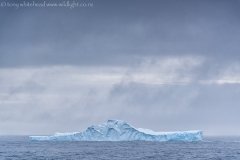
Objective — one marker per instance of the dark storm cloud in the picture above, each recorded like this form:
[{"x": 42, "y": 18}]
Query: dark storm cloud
[
  {"x": 118, "y": 32},
  {"x": 164, "y": 65}
]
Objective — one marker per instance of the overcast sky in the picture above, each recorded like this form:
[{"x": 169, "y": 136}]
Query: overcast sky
[{"x": 166, "y": 65}]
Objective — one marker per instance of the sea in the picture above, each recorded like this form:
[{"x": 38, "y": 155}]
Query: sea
[{"x": 215, "y": 148}]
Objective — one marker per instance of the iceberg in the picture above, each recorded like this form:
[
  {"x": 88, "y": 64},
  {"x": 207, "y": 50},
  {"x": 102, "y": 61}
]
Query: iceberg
[{"x": 118, "y": 130}]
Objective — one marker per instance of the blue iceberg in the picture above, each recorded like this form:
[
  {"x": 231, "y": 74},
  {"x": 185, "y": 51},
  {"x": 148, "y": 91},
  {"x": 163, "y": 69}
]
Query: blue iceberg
[{"x": 118, "y": 130}]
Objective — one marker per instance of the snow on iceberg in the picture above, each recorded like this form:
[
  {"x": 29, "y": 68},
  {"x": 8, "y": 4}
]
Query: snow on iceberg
[{"x": 118, "y": 130}]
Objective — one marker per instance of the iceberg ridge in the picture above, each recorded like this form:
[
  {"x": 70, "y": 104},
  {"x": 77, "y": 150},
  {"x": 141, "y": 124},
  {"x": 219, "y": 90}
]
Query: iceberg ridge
[{"x": 118, "y": 130}]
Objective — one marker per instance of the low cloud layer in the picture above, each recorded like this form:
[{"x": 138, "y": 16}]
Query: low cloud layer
[{"x": 161, "y": 94}]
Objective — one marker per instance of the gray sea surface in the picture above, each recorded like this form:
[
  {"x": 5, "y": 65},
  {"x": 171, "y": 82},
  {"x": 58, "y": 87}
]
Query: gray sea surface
[{"x": 19, "y": 147}]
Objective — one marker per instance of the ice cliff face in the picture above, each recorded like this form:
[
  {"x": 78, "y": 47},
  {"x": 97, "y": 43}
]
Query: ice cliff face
[{"x": 117, "y": 130}]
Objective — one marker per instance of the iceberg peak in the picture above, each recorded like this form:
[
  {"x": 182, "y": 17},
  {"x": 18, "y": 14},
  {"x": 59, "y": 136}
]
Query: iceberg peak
[{"x": 119, "y": 130}]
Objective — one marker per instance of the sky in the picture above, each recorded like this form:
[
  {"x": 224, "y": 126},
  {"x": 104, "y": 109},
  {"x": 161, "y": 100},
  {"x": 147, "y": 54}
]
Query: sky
[{"x": 165, "y": 65}]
